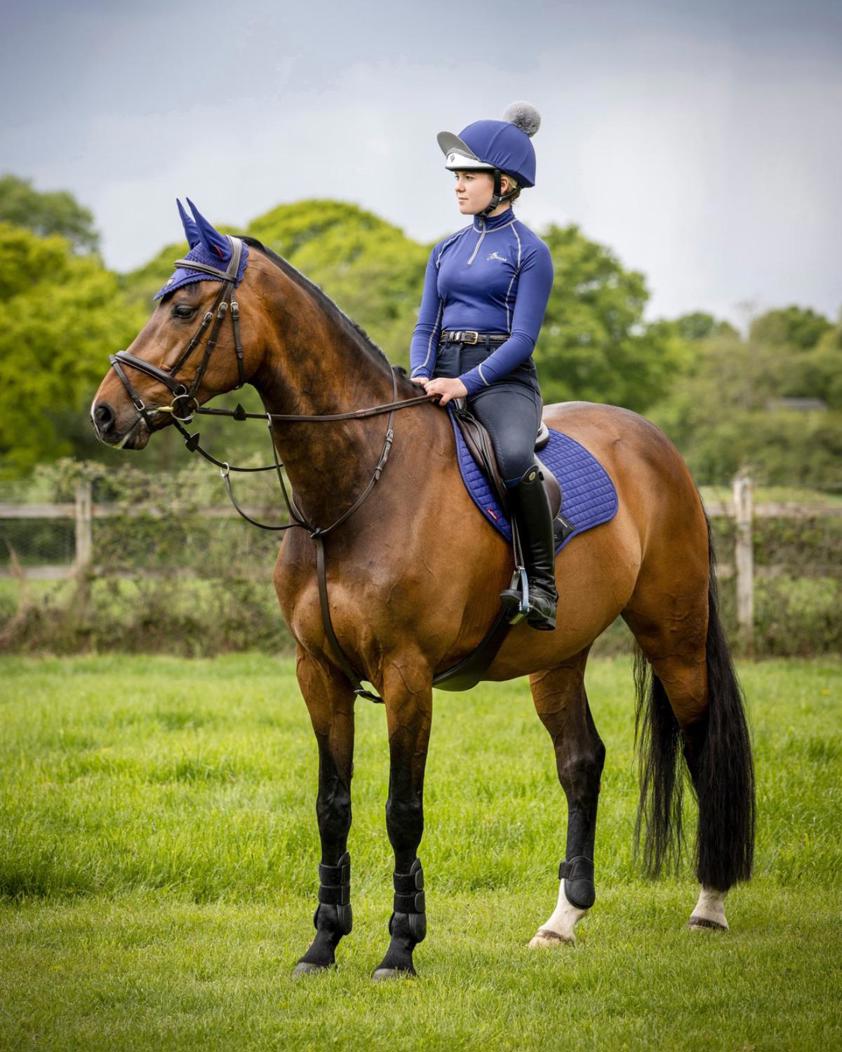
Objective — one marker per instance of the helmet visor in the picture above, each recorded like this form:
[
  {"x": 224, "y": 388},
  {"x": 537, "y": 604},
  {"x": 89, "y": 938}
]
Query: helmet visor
[{"x": 458, "y": 155}]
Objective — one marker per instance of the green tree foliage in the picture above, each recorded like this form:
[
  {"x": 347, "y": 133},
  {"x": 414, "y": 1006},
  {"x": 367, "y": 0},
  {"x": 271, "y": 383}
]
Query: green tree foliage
[
  {"x": 369, "y": 267},
  {"x": 806, "y": 353},
  {"x": 594, "y": 344},
  {"x": 140, "y": 285},
  {"x": 47, "y": 213},
  {"x": 726, "y": 413},
  {"x": 796, "y": 327},
  {"x": 699, "y": 325},
  {"x": 60, "y": 316}
]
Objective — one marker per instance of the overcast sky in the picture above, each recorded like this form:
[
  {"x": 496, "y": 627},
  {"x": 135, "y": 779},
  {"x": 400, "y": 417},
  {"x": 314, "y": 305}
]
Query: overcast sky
[{"x": 701, "y": 141}]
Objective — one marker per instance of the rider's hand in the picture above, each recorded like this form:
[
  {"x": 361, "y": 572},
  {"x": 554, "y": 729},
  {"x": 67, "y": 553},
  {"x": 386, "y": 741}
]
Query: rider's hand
[{"x": 447, "y": 388}]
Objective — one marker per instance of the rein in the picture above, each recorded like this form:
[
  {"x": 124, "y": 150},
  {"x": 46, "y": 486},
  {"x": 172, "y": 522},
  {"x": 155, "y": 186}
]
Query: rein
[{"x": 185, "y": 406}]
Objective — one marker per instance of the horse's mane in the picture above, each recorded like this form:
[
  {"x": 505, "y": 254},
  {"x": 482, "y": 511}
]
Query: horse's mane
[{"x": 357, "y": 332}]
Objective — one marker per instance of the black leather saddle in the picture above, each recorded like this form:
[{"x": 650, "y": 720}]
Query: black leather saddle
[{"x": 478, "y": 441}]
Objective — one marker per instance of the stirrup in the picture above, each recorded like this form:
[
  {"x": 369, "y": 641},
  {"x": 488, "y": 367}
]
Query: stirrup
[
  {"x": 529, "y": 604},
  {"x": 515, "y": 598}
]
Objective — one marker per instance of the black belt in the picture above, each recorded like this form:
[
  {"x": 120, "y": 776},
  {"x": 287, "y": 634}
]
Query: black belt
[{"x": 469, "y": 337}]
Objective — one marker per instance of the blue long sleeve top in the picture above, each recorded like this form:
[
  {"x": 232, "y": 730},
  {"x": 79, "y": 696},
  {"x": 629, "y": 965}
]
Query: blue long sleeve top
[{"x": 493, "y": 276}]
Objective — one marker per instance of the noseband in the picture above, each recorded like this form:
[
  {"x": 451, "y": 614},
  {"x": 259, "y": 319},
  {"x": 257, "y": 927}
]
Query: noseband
[{"x": 184, "y": 402}]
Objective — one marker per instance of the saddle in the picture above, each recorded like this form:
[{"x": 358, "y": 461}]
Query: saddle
[{"x": 478, "y": 441}]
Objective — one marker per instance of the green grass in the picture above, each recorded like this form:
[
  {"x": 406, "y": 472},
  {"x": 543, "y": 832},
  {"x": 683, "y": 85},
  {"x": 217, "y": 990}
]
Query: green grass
[{"x": 158, "y": 848}]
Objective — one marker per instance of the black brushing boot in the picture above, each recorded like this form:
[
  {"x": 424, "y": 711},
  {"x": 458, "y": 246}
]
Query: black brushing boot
[
  {"x": 531, "y": 511},
  {"x": 407, "y": 925},
  {"x": 332, "y": 919}
]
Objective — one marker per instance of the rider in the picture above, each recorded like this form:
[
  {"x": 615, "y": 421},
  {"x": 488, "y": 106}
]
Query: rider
[{"x": 485, "y": 293}]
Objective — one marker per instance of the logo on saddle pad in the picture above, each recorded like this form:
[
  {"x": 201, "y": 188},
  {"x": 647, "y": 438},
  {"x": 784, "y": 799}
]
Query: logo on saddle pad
[{"x": 496, "y": 255}]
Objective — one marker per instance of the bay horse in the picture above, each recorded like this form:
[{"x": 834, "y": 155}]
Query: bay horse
[{"x": 414, "y": 577}]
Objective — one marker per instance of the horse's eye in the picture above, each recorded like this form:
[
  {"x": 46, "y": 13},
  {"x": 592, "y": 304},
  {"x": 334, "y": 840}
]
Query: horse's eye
[{"x": 183, "y": 310}]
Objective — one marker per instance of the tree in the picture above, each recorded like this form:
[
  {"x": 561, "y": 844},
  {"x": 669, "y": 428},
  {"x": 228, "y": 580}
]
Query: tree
[
  {"x": 699, "y": 325},
  {"x": 797, "y": 327},
  {"x": 45, "y": 214},
  {"x": 369, "y": 267},
  {"x": 60, "y": 316},
  {"x": 594, "y": 344},
  {"x": 726, "y": 414}
]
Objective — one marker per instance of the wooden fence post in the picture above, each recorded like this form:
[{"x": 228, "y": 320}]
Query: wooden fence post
[
  {"x": 744, "y": 561},
  {"x": 84, "y": 529}
]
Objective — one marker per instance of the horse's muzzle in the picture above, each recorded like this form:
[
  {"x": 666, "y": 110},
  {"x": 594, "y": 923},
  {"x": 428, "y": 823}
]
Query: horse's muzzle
[{"x": 132, "y": 434}]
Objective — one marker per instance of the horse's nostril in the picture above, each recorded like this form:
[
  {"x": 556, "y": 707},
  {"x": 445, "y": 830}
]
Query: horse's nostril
[{"x": 104, "y": 417}]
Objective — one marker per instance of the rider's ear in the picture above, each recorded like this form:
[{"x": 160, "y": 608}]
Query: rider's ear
[{"x": 210, "y": 238}]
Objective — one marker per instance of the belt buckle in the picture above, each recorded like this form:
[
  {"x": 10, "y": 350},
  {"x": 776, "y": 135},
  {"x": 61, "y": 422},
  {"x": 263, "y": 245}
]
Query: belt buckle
[{"x": 475, "y": 336}]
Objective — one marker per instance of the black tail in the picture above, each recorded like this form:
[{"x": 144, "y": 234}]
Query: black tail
[
  {"x": 662, "y": 771},
  {"x": 718, "y": 752}
]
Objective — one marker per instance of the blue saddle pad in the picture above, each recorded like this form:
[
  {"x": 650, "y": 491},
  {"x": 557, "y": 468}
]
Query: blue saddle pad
[{"x": 588, "y": 494}]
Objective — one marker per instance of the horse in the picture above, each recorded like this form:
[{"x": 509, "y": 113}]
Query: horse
[{"x": 412, "y": 578}]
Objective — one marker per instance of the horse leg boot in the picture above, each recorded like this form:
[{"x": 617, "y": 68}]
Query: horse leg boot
[
  {"x": 562, "y": 704},
  {"x": 330, "y": 702},
  {"x": 408, "y": 715},
  {"x": 531, "y": 510}
]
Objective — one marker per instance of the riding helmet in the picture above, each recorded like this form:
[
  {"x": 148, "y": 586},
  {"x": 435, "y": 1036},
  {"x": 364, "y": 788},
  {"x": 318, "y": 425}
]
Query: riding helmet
[{"x": 504, "y": 146}]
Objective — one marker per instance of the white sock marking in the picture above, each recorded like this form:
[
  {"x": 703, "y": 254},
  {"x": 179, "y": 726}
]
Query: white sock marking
[
  {"x": 710, "y": 907},
  {"x": 563, "y": 922}
]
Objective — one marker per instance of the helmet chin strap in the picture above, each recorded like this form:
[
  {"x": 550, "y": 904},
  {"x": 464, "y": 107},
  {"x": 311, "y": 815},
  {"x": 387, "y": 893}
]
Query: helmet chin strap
[{"x": 497, "y": 198}]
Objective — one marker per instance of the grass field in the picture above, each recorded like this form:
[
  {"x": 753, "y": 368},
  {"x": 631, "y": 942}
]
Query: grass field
[{"x": 158, "y": 854}]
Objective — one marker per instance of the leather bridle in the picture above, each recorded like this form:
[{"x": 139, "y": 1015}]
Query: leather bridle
[{"x": 184, "y": 402}]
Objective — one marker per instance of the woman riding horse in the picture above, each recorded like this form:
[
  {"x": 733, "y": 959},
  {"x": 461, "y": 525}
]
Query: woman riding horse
[
  {"x": 485, "y": 294},
  {"x": 405, "y": 607}
]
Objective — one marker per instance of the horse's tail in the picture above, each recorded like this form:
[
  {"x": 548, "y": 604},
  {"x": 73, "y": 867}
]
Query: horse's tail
[
  {"x": 723, "y": 772},
  {"x": 719, "y": 752},
  {"x": 658, "y": 737}
]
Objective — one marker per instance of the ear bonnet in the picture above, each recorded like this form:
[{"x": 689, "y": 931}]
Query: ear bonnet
[{"x": 207, "y": 246}]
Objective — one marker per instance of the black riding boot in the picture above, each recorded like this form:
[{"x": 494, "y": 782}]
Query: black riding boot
[{"x": 528, "y": 503}]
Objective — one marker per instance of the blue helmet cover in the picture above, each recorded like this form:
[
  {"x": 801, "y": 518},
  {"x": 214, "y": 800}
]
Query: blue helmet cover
[
  {"x": 207, "y": 246},
  {"x": 503, "y": 145}
]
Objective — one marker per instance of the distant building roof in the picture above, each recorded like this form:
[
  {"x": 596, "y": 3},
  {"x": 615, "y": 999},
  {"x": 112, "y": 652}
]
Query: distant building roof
[{"x": 801, "y": 405}]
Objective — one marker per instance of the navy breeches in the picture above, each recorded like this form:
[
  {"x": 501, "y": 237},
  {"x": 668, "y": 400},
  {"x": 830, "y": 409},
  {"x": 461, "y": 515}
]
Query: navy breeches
[{"x": 509, "y": 409}]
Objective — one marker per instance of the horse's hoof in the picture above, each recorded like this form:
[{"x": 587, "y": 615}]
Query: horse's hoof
[
  {"x": 703, "y": 924},
  {"x": 308, "y": 968},
  {"x": 545, "y": 937},
  {"x": 381, "y": 974}
]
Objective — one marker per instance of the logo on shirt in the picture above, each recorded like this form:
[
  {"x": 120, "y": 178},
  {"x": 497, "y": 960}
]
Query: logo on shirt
[{"x": 496, "y": 255}]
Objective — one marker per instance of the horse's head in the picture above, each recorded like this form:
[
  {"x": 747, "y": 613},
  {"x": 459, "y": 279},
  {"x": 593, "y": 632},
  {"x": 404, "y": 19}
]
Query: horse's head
[{"x": 191, "y": 348}]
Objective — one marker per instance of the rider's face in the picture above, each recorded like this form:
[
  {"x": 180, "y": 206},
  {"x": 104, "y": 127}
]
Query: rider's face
[{"x": 473, "y": 191}]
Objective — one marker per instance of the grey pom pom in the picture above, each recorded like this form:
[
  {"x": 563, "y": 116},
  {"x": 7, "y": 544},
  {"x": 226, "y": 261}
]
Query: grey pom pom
[{"x": 524, "y": 116}]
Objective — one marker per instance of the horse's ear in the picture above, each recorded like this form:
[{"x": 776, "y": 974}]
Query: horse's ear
[
  {"x": 191, "y": 231},
  {"x": 212, "y": 239}
]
